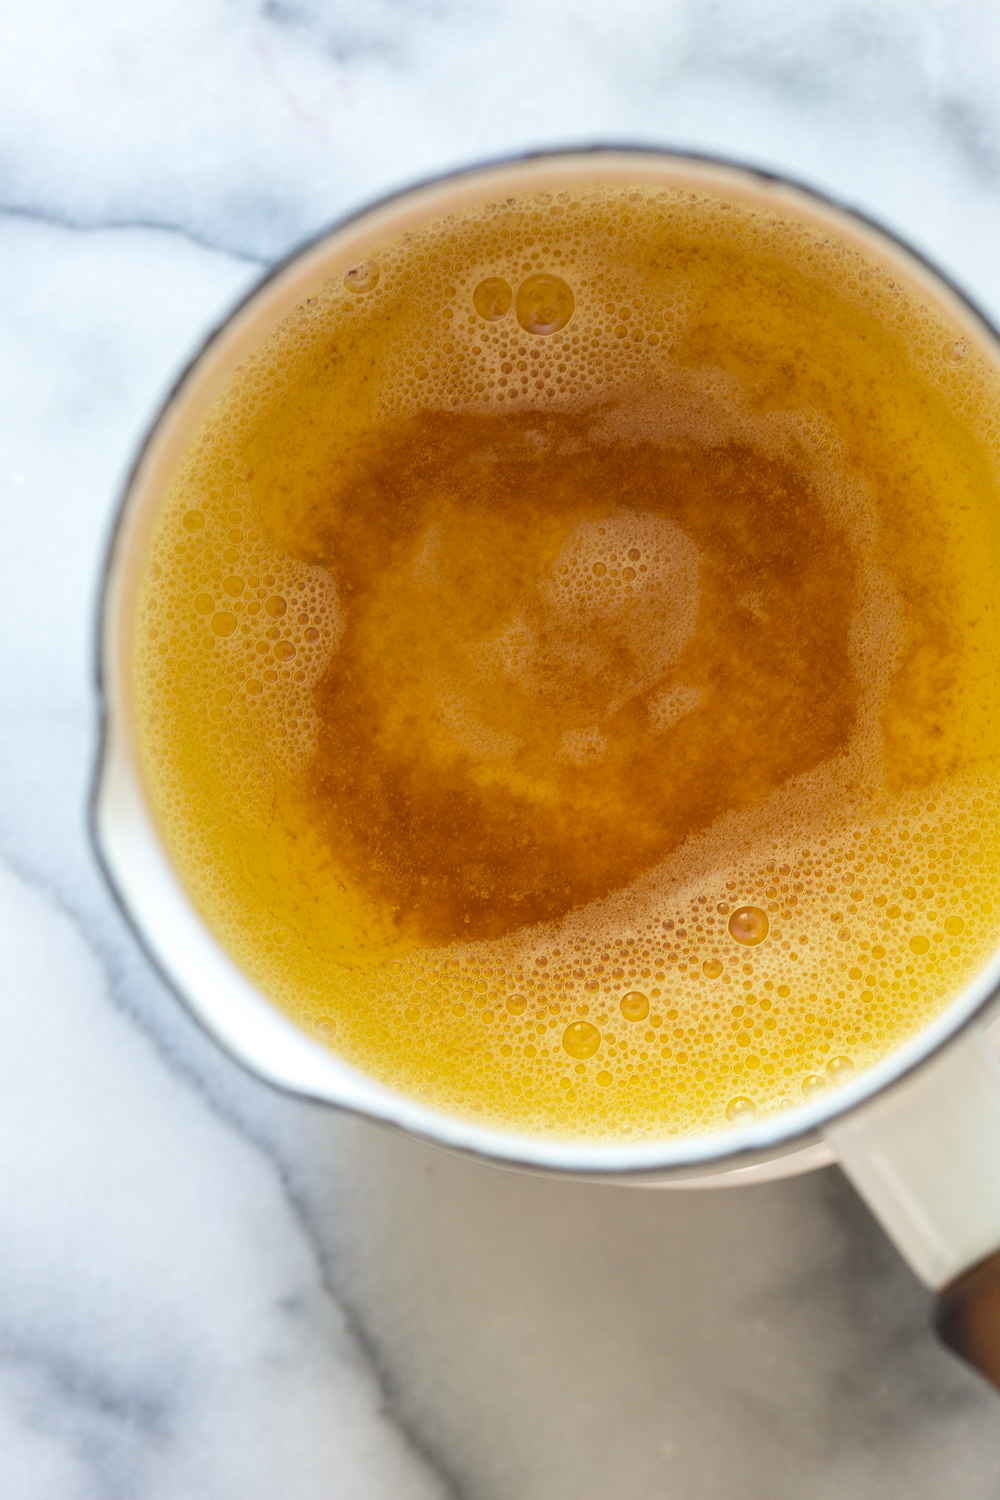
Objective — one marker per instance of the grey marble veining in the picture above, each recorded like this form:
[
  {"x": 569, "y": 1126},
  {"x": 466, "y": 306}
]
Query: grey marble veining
[
  {"x": 551, "y": 1339},
  {"x": 207, "y": 1289}
]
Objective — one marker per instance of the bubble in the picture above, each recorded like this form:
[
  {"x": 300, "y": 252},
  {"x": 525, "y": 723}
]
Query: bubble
[
  {"x": 634, "y": 1006},
  {"x": 283, "y": 650},
  {"x": 517, "y": 1005},
  {"x": 581, "y": 1039},
  {"x": 604, "y": 1078},
  {"x": 840, "y": 1070},
  {"x": 955, "y": 352},
  {"x": 919, "y": 944},
  {"x": 204, "y": 604},
  {"x": 362, "y": 277},
  {"x": 544, "y": 303},
  {"x": 492, "y": 299},
  {"x": 326, "y": 1026},
  {"x": 194, "y": 520},
  {"x": 741, "y": 1111},
  {"x": 749, "y": 925},
  {"x": 233, "y": 587},
  {"x": 954, "y": 926},
  {"x": 813, "y": 1086},
  {"x": 223, "y": 623},
  {"x": 275, "y": 606},
  {"x": 712, "y": 968}
]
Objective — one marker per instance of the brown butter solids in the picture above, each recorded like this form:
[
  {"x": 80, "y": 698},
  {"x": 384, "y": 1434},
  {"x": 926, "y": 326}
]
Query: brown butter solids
[{"x": 466, "y": 850}]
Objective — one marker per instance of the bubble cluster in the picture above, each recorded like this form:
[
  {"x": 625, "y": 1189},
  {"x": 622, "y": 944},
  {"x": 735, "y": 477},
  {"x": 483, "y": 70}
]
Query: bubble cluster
[
  {"x": 243, "y": 632},
  {"x": 870, "y": 929},
  {"x": 530, "y": 309},
  {"x": 768, "y": 959}
]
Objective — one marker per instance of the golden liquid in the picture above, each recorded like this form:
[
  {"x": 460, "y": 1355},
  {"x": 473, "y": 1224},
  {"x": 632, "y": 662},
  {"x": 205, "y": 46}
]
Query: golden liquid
[{"x": 567, "y": 669}]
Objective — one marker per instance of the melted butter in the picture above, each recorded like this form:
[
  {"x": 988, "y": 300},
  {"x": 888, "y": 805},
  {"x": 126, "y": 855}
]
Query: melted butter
[{"x": 568, "y": 691}]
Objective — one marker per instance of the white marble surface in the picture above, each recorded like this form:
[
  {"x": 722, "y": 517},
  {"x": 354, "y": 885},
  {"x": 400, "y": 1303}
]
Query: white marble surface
[{"x": 208, "y": 1290}]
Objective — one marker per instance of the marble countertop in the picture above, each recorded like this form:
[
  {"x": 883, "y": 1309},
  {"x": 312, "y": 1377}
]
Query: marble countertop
[{"x": 210, "y": 1290}]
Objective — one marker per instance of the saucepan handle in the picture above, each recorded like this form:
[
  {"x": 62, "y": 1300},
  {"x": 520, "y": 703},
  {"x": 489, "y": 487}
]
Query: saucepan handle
[
  {"x": 967, "y": 1317},
  {"x": 925, "y": 1156}
]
